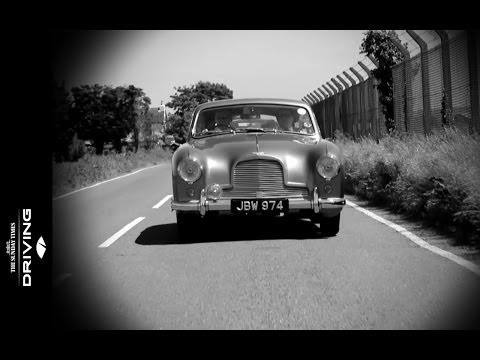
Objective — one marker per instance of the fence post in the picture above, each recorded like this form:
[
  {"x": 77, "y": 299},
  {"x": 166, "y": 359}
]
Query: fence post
[
  {"x": 472, "y": 39},
  {"x": 314, "y": 97},
  {"x": 447, "y": 77},
  {"x": 337, "y": 84},
  {"x": 344, "y": 105},
  {"x": 330, "y": 93},
  {"x": 338, "y": 105},
  {"x": 334, "y": 89},
  {"x": 375, "y": 97},
  {"x": 344, "y": 83},
  {"x": 322, "y": 109},
  {"x": 357, "y": 74},
  {"x": 325, "y": 95},
  {"x": 365, "y": 68},
  {"x": 364, "y": 89},
  {"x": 349, "y": 78},
  {"x": 318, "y": 95},
  {"x": 408, "y": 83},
  {"x": 373, "y": 60},
  {"x": 304, "y": 99},
  {"x": 427, "y": 124}
]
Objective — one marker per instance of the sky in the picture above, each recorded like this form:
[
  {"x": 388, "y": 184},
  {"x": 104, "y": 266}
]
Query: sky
[{"x": 252, "y": 63}]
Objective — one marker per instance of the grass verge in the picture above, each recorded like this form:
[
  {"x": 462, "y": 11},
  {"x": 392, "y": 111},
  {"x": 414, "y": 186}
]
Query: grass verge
[
  {"x": 90, "y": 169},
  {"x": 435, "y": 178}
]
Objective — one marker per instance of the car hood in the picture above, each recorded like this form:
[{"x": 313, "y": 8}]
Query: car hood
[
  {"x": 243, "y": 142},
  {"x": 220, "y": 153}
]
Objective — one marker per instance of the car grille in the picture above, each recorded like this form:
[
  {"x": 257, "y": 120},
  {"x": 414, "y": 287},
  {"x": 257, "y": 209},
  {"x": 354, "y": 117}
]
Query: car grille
[{"x": 266, "y": 176}]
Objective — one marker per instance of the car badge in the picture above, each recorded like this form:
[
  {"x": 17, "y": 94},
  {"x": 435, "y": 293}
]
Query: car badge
[
  {"x": 259, "y": 194},
  {"x": 258, "y": 153}
]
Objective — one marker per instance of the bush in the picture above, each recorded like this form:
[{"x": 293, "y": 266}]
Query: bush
[
  {"x": 90, "y": 169},
  {"x": 435, "y": 177}
]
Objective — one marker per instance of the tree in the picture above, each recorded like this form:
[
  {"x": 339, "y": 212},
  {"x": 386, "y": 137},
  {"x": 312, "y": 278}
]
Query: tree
[
  {"x": 379, "y": 44},
  {"x": 62, "y": 124},
  {"x": 184, "y": 102},
  {"x": 132, "y": 105},
  {"x": 103, "y": 113}
]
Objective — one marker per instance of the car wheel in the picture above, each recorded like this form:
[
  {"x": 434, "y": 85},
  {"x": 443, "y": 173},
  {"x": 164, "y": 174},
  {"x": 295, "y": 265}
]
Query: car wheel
[
  {"x": 187, "y": 225},
  {"x": 329, "y": 226}
]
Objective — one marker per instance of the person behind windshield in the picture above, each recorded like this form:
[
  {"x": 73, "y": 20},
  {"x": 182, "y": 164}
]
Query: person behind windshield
[
  {"x": 222, "y": 120},
  {"x": 285, "y": 120}
]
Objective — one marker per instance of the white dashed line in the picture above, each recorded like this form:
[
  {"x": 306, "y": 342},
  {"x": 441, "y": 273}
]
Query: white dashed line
[
  {"x": 163, "y": 201},
  {"x": 452, "y": 257},
  {"x": 117, "y": 235}
]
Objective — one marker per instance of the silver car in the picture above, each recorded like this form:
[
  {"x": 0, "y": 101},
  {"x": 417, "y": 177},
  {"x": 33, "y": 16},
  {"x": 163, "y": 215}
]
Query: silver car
[{"x": 257, "y": 157}]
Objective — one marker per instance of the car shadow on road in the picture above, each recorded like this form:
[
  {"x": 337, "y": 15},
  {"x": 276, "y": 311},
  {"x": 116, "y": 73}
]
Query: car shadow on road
[{"x": 233, "y": 229}]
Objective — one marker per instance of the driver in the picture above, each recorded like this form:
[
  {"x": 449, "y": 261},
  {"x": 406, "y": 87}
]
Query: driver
[
  {"x": 285, "y": 120},
  {"x": 222, "y": 120}
]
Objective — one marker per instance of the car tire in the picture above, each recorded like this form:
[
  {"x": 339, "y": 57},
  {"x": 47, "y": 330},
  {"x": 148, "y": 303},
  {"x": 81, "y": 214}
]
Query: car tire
[
  {"x": 187, "y": 226},
  {"x": 329, "y": 226}
]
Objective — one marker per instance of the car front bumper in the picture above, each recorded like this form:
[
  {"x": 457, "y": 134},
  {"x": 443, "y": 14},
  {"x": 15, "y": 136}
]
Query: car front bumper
[{"x": 315, "y": 203}]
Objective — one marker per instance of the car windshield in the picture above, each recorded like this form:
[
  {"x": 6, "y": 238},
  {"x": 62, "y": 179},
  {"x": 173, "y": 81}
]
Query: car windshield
[{"x": 254, "y": 118}]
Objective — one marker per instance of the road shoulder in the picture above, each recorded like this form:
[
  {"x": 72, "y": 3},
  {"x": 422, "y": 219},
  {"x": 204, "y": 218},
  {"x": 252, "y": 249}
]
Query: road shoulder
[{"x": 426, "y": 232}]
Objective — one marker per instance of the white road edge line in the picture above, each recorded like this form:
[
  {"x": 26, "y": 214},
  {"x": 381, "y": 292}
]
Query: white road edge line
[
  {"x": 452, "y": 257},
  {"x": 163, "y": 201},
  {"x": 119, "y": 233},
  {"x": 103, "y": 182}
]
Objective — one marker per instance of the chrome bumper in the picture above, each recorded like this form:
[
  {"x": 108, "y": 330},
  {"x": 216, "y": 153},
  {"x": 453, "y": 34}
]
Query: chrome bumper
[{"x": 203, "y": 205}]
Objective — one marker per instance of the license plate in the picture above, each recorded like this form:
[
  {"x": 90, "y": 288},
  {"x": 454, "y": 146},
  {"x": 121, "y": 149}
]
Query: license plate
[{"x": 265, "y": 206}]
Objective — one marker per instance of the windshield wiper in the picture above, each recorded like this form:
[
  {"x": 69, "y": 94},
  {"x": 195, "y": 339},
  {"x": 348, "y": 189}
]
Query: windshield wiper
[
  {"x": 214, "y": 132},
  {"x": 251, "y": 129}
]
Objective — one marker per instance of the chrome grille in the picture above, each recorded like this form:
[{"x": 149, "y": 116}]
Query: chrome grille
[{"x": 261, "y": 176}]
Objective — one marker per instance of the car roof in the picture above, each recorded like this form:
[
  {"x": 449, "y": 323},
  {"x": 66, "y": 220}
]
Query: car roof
[{"x": 229, "y": 102}]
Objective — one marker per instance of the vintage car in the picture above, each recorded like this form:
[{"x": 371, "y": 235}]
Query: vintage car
[{"x": 257, "y": 157}]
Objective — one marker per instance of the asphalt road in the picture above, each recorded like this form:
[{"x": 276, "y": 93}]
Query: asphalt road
[{"x": 250, "y": 274}]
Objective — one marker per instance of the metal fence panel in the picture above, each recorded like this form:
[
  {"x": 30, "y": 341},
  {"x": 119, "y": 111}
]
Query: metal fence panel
[
  {"x": 415, "y": 95},
  {"x": 477, "y": 46},
  {"x": 435, "y": 74},
  {"x": 356, "y": 111},
  {"x": 344, "y": 111},
  {"x": 460, "y": 82},
  {"x": 399, "y": 105}
]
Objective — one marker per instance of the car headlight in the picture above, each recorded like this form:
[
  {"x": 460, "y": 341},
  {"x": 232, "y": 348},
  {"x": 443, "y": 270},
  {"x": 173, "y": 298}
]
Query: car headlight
[
  {"x": 328, "y": 166},
  {"x": 190, "y": 170}
]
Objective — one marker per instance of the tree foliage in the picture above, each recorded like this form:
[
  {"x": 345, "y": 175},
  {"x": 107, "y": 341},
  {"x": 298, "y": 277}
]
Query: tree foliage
[
  {"x": 103, "y": 113},
  {"x": 184, "y": 102},
  {"x": 63, "y": 128},
  {"x": 379, "y": 44}
]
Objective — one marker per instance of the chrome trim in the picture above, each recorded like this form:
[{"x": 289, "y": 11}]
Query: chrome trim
[
  {"x": 316, "y": 203},
  {"x": 332, "y": 203},
  {"x": 203, "y": 202},
  {"x": 205, "y": 205}
]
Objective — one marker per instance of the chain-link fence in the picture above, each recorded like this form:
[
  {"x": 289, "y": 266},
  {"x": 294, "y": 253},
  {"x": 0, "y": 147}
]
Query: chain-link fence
[{"x": 436, "y": 84}]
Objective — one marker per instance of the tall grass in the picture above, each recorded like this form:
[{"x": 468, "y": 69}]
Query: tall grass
[
  {"x": 90, "y": 169},
  {"x": 436, "y": 178}
]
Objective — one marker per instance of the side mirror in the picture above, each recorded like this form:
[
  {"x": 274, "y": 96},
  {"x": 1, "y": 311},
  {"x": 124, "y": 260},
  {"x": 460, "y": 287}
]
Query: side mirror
[{"x": 169, "y": 140}]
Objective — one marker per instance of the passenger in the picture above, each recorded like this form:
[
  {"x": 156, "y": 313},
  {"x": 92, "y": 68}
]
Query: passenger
[{"x": 285, "y": 120}]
